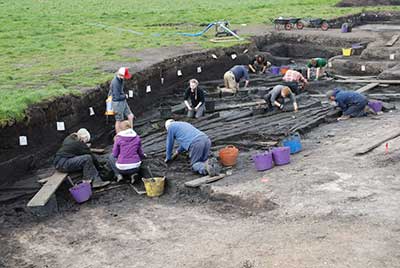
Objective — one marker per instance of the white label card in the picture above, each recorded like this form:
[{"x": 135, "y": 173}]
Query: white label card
[
  {"x": 179, "y": 73},
  {"x": 130, "y": 93},
  {"x": 199, "y": 69},
  {"x": 162, "y": 80},
  {"x": 91, "y": 111},
  {"x": 363, "y": 68},
  {"x": 23, "y": 140},
  {"x": 148, "y": 89},
  {"x": 391, "y": 56},
  {"x": 214, "y": 56},
  {"x": 233, "y": 56},
  {"x": 60, "y": 126},
  {"x": 330, "y": 64}
]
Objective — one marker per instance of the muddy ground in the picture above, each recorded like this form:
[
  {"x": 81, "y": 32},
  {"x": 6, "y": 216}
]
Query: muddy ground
[
  {"x": 332, "y": 209},
  {"x": 327, "y": 208},
  {"x": 352, "y": 3}
]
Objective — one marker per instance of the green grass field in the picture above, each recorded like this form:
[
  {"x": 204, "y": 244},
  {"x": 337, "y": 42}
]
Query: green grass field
[{"x": 54, "y": 47}]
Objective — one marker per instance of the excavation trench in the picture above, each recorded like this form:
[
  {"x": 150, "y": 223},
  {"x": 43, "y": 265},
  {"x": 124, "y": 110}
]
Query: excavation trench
[{"x": 236, "y": 120}]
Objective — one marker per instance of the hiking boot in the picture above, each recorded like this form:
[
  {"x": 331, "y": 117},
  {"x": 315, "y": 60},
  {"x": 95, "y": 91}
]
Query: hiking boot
[
  {"x": 119, "y": 178},
  {"x": 212, "y": 167},
  {"x": 98, "y": 183}
]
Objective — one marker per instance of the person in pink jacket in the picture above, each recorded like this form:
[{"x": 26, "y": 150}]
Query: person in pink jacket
[{"x": 127, "y": 153}]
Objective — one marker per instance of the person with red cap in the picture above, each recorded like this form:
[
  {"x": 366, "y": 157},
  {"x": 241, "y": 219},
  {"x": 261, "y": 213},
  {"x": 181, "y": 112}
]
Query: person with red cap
[{"x": 119, "y": 103}]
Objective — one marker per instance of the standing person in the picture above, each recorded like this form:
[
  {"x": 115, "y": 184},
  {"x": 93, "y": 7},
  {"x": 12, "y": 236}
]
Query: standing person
[
  {"x": 196, "y": 107},
  {"x": 353, "y": 104},
  {"x": 193, "y": 140},
  {"x": 74, "y": 155},
  {"x": 295, "y": 80},
  {"x": 119, "y": 103},
  {"x": 319, "y": 64},
  {"x": 259, "y": 63},
  {"x": 233, "y": 77},
  {"x": 127, "y": 153},
  {"x": 276, "y": 97}
]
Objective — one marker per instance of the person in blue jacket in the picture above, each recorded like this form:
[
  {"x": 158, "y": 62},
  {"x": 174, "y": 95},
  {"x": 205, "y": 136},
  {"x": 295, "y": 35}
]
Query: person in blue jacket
[
  {"x": 353, "y": 104},
  {"x": 193, "y": 140}
]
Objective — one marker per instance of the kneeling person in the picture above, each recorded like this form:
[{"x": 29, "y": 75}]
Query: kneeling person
[
  {"x": 190, "y": 139},
  {"x": 276, "y": 97},
  {"x": 127, "y": 153},
  {"x": 196, "y": 107},
  {"x": 74, "y": 155},
  {"x": 353, "y": 104}
]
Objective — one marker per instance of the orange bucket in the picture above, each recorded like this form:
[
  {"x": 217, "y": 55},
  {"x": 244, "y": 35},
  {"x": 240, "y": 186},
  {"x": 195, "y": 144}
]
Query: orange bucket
[
  {"x": 228, "y": 155},
  {"x": 284, "y": 69}
]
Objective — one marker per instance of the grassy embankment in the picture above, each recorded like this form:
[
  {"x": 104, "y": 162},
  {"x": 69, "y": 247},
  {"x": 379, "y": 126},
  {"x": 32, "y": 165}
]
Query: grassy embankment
[{"x": 49, "y": 48}]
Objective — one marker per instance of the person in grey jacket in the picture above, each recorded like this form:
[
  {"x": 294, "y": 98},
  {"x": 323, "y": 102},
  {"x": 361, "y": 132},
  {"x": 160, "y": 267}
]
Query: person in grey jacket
[
  {"x": 276, "y": 98},
  {"x": 119, "y": 103}
]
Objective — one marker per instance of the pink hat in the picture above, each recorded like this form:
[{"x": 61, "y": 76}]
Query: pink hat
[{"x": 125, "y": 72}]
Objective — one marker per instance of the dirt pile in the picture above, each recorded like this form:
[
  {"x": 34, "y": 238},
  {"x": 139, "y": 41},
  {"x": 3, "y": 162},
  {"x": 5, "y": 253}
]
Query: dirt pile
[{"x": 353, "y": 3}]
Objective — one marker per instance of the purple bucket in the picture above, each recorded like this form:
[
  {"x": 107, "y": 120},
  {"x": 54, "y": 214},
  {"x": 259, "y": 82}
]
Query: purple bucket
[
  {"x": 263, "y": 161},
  {"x": 81, "y": 192},
  {"x": 281, "y": 155},
  {"x": 275, "y": 70},
  {"x": 375, "y": 105}
]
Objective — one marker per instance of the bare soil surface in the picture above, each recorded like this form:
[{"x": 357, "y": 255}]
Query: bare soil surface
[
  {"x": 352, "y": 3},
  {"x": 332, "y": 209}
]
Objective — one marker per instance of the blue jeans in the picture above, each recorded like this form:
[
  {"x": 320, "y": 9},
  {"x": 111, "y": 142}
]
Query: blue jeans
[{"x": 199, "y": 151}]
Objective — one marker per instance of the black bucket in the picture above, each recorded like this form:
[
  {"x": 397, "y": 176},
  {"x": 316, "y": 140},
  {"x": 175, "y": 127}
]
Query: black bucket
[
  {"x": 210, "y": 105},
  {"x": 165, "y": 112}
]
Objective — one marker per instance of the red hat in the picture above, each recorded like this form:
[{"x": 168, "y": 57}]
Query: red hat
[{"x": 125, "y": 72}]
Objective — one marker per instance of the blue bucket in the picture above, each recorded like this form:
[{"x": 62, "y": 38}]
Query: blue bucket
[
  {"x": 275, "y": 70},
  {"x": 293, "y": 142}
]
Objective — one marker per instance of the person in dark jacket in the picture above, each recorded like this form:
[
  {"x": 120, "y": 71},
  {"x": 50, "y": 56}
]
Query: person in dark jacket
[
  {"x": 195, "y": 95},
  {"x": 119, "y": 103},
  {"x": 258, "y": 64},
  {"x": 74, "y": 155},
  {"x": 353, "y": 104},
  {"x": 276, "y": 98},
  {"x": 193, "y": 140},
  {"x": 127, "y": 154},
  {"x": 233, "y": 77}
]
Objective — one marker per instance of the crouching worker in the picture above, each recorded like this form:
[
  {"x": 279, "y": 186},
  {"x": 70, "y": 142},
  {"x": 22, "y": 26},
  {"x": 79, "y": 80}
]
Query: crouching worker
[
  {"x": 352, "y": 104},
  {"x": 295, "y": 81},
  {"x": 232, "y": 79},
  {"x": 74, "y": 155},
  {"x": 196, "y": 106},
  {"x": 259, "y": 64},
  {"x": 127, "y": 153},
  {"x": 276, "y": 98},
  {"x": 319, "y": 64},
  {"x": 193, "y": 140}
]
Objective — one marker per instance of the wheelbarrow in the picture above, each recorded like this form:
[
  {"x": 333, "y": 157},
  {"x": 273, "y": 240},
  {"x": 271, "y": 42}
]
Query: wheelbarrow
[
  {"x": 288, "y": 23},
  {"x": 318, "y": 23}
]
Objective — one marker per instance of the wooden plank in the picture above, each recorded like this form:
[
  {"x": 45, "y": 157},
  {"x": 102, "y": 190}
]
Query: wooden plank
[
  {"x": 241, "y": 105},
  {"x": 367, "y": 87},
  {"x": 372, "y": 147},
  {"x": 369, "y": 81},
  {"x": 393, "y": 40},
  {"x": 203, "y": 180},
  {"x": 44, "y": 194}
]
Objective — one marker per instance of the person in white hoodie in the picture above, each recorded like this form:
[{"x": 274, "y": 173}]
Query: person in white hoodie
[{"x": 127, "y": 153}]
